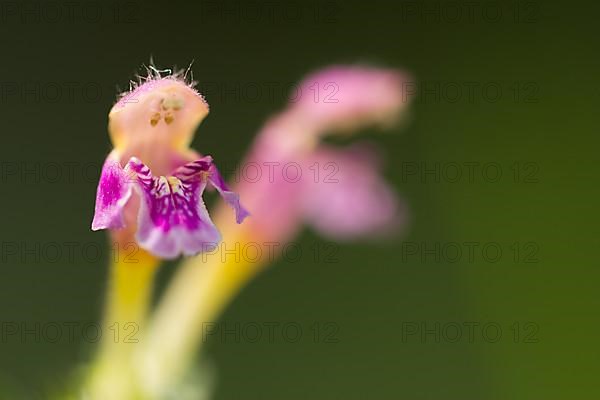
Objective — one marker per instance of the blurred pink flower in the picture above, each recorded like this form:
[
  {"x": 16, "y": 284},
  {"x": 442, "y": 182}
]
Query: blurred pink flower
[{"x": 338, "y": 191}]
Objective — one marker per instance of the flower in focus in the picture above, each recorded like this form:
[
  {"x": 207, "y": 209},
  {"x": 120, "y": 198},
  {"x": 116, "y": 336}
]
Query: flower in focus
[{"x": 151, "y": 185}]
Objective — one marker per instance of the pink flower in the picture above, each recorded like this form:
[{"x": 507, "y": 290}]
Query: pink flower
[
  {"x": 346, "y": 98},
  {"x": 152, "y": 183},
  {"x": 340, "y": 192}
]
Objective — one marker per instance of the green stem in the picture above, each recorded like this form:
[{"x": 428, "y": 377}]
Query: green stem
[
  {"x": 202, "y": 287},
  {"x": 129, "y": 296}
]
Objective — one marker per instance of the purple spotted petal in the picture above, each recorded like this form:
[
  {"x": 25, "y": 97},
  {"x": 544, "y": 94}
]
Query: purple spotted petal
[
  {"x": 172, "y": 217},
  {"x": 231, "y": 198},
  {"x": 114, "y": 190}
]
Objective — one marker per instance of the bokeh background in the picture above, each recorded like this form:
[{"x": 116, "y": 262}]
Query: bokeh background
[{"x": 531, "y": 116}]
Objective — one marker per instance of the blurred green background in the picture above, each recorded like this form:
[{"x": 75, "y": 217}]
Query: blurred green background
[{"x": 380, "y": 297}]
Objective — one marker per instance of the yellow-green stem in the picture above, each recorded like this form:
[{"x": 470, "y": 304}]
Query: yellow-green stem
[
  {"x": 201, "y": 289},
  {"x": 129, "y": 295}
]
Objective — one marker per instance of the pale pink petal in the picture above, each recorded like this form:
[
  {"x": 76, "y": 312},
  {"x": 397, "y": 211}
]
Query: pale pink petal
[
  {"x": 350, "y": 199},
  {"x": 156, "y": 117},
  {"x": 343, "y": 98}
]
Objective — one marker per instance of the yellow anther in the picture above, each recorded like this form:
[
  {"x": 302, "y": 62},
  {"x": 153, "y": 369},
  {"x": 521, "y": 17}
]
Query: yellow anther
[{"x": 154, "y": 119}]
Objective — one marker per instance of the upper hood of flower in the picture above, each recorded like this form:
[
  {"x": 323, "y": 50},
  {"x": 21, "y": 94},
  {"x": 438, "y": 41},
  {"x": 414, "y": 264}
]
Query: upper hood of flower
[
  {"x": 346, "y": 98},
  {"x": 162, "y": 111}
]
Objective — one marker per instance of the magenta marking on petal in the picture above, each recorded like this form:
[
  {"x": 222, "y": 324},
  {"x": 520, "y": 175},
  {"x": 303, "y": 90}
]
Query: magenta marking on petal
[
  {"x": 113, "y": 193},
  {"x": 172, "y": 218},
  {"x": 194, "y": 170}
]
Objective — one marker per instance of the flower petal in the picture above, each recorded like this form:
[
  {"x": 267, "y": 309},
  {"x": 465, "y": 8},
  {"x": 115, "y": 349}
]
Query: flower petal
[
  {"x": 162, "y": 111},
  {"x": 114, "y": 190},
  {"x": 353, "y": 200},
  {"x": 173, "y": 219},
  {"x": 230, "y": 197},
  {"x": 345, "y": 98}
]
